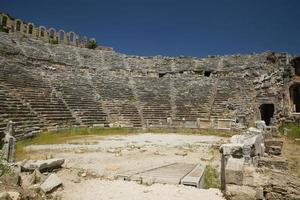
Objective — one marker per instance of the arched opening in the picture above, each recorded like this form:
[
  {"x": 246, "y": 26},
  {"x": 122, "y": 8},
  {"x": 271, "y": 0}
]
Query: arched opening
[
  {"x": 296, "y": 65},
  {"x": 61, "y": 36},
  {"x": 295, "y": 97},
  {"x": 207, "y": 73},
  {"x": 72, "y": 38},
  {"x": 52, "y": 33},
  {"x": 4, "y": 20},
  {"x": 18, "y": 25},
  {"x": 30, "y": 29},
  {"x": 267, "y": 112},
  {"x": 42, "y": 32}
]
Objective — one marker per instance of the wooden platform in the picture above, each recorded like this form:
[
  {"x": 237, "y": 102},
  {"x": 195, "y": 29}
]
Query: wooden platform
[{"x": 171, "y": 173}]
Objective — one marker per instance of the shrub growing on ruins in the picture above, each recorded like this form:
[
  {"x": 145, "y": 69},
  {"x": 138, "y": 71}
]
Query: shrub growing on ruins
[
  {"x": 92, "y": 44},
  {"x": 211, "y": 178}
]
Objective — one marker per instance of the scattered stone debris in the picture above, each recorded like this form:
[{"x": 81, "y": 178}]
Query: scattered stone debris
[
  {"x": 52, "y": 182},
  {"x": 30, "y": 183}
]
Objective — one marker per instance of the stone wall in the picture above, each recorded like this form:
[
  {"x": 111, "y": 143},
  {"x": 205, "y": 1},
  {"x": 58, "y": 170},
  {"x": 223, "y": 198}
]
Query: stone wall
[{"x": 12, "y": 25}]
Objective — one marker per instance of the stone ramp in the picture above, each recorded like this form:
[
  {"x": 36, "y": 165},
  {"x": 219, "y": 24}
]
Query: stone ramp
[{"x": 172, "y": 173}]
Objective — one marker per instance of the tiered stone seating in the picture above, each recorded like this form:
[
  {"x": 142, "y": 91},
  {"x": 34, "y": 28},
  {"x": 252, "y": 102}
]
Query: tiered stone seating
[
  {"x": 154, "y": 97},
  {"x": 9, "y": 46},
  {"x": 35, "y": 92},
  {"x": 80, "y": 99},
  {"x": 184, "y": 64},
  {"x": 63, "y": 54},
  {"x": 12, "y": 109},
  {"x": 34, "y": 49},
  {"x": 230, "y": 92},
  {"x": 193, "y": 96},
  {"x": 64, "y": 85},
  {"x": 112, "y": 60},
  {"x": 118, "y": 98}
]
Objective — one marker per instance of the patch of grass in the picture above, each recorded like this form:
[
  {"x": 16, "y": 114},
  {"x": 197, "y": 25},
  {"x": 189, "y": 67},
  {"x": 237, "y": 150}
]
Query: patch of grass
[
  {"x": 211, "y": 178},
  {"x": 4, "y": 168},
  {"x": 62, "y": 136},
  {"x": 292, "y": 131}
]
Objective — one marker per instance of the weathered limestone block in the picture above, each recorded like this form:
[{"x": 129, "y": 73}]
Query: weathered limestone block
[
  {"x": 234, "y": 171},
  {"x": 252, "y": 141},
  {"x": 235, "y": 192},
  {"x": 274, "y": 142},
  {"x": 273, "y": 163},
  {"x": 42, "y": 165},
  {"x": 239, "y": 139},
  {"x": 255, "y": 142},
  {"x": 52, "y": 182},
  {"x": 234, "y": 149},
  {"x": 253, "y": 131},
  {"x": 261, "y": 125}
]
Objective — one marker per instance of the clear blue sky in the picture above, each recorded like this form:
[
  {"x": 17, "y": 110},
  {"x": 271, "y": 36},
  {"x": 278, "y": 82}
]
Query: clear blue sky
[{"x": 172, "y": 27}]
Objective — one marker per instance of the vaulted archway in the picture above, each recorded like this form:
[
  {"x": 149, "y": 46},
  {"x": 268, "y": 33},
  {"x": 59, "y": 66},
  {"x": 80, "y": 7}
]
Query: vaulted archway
[
  {"x": 267, "y": 112},
  {"x": 295, "y": 97}
]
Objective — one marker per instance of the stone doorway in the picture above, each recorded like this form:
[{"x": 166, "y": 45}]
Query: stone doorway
[
  {"x": 267, "y": 112},
  {"x": 296, "y": 65},
  {"x": 295, "y": 97}
]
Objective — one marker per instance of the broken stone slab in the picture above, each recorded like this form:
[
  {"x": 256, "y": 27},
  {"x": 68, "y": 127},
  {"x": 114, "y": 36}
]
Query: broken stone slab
[
  {"x": 273, "y": 150},
  {"x": 234, "y": 149},
  {"x": 236, "y": 192},
  {"x": 234, "y": 171},
  {"x": 51, "y": 183},
  {"x": 181, "y": 153},
  {"x": 42, "y": 165},
  {"x": 30, "y": 179},
  {"x": 274, "y": 162}
]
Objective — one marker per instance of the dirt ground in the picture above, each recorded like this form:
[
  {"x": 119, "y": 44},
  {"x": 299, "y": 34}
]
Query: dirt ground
[
  {"x": 93, "y": 162},
  {"x": 291, "y": 151}
]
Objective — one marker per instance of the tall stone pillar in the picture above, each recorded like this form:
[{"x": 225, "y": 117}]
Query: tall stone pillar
[{"x": 9, "y": 147}]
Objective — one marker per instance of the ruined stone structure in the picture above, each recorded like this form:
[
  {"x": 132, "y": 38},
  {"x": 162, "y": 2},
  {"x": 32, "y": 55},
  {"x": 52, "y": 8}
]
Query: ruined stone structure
[
  {"x": 11, "y": 25},
  {"x": 45, "y": 85},
  {"x": 252, "y": 166}
]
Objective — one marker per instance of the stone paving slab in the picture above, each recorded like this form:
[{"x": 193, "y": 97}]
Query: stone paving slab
[{"x": 172, "y": 173}]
